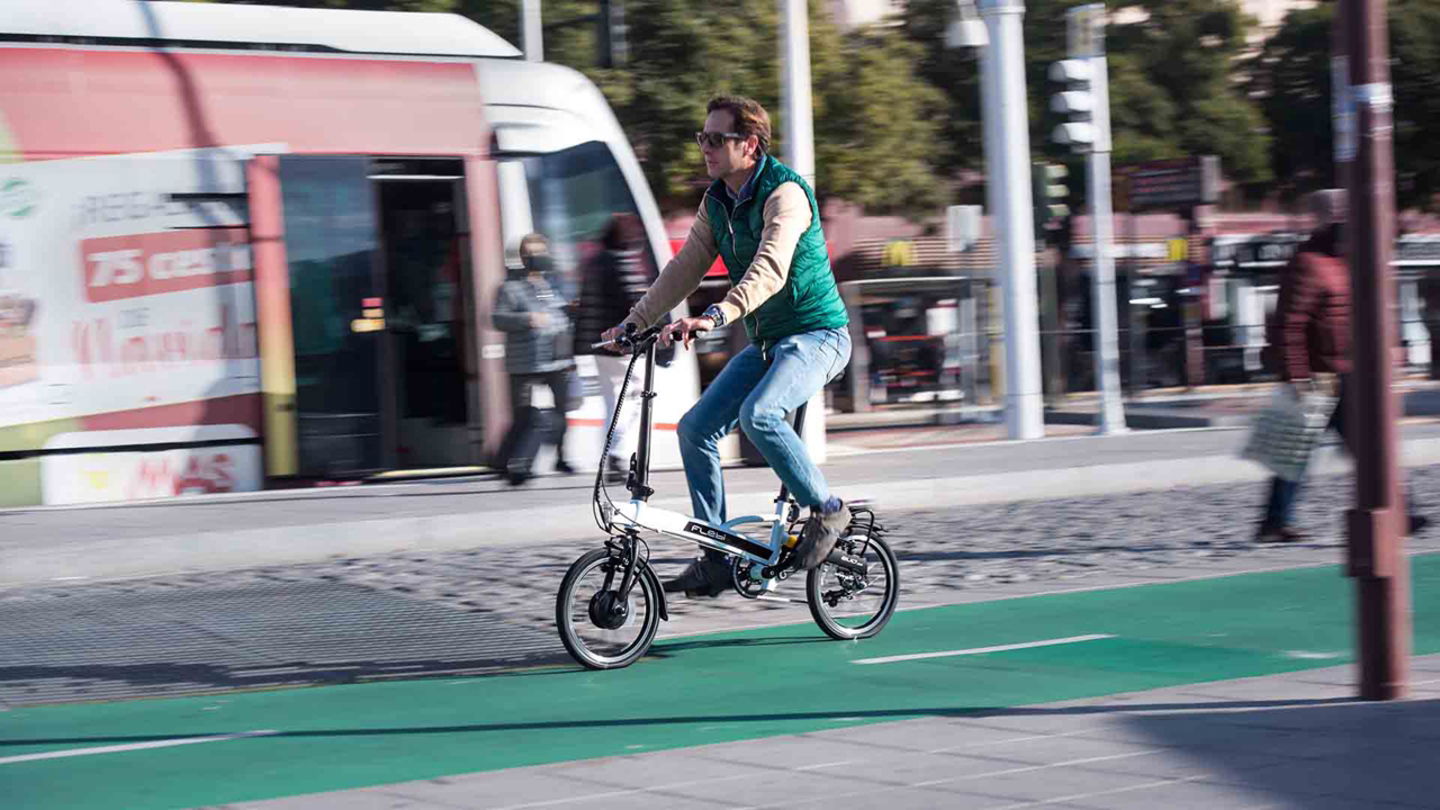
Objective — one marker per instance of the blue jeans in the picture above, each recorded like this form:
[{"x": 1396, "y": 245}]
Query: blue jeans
[{"x": 756, "y": 391}]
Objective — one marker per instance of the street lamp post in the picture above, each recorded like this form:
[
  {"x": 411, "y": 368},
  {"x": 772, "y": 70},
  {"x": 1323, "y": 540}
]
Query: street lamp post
[{"x": 531, "y": 32}]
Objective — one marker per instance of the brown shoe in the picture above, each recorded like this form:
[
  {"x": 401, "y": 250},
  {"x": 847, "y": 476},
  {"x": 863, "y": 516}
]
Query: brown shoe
[
  {"x": 1283, "y": 534},
  {"x": 819, "y": 536}
]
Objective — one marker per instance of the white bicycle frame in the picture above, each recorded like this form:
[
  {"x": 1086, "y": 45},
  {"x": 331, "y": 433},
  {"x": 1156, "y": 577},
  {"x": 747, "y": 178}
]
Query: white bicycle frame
[{"x": 727, "y": 537}]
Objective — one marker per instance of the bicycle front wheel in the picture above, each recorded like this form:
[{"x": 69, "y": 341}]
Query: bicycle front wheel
[
  {"x": 849, "y": 604},
  {"x": 599, "y": 628}
]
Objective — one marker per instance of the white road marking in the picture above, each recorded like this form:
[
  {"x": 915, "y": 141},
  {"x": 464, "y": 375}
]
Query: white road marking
[
  {"x": 981, "y": 650},
  {"x": 1307, "y": 655},
  {"x": 115, "y": 749}
]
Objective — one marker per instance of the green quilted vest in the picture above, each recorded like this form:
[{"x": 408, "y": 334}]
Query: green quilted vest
[{"x": 809, "y": 300}]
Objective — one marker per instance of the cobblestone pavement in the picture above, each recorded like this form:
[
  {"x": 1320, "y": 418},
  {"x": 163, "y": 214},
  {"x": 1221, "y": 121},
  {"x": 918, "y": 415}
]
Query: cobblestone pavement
[{"x": 479, "y": 611}]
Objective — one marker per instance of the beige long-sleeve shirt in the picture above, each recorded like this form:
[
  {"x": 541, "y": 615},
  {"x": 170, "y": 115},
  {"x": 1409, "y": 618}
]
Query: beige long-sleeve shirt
[{"x": 786, "y": 216}]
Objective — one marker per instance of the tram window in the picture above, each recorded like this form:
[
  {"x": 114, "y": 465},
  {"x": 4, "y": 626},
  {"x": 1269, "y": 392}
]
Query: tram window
[{"x": 573, "y": 194}]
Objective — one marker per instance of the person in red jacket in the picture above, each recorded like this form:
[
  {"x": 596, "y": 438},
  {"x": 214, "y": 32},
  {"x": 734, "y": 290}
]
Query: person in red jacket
[{"x": 1310, "y": 342}]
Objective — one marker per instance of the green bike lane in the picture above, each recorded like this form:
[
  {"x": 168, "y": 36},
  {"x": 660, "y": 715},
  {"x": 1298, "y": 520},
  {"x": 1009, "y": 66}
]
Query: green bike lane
[{"x": 170, "y": 753}]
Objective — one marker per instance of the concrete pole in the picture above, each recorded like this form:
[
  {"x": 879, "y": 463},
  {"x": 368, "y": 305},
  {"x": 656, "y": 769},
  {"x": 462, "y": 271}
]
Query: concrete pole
[
  {"x": 1378, "y": 523},
  {"x": 1007, "y": 157},
  {"x": 531, "y": 32}
]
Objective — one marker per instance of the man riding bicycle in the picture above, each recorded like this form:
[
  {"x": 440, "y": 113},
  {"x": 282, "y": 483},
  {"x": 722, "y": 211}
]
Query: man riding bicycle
[{"x": 762, "y": 219}]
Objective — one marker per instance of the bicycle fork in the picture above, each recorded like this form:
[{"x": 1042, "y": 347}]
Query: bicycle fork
[{"x": 635, "y": 568}]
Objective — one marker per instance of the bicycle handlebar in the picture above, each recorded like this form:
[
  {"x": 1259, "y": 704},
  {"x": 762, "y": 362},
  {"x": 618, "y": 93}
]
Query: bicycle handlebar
[{"x": 632, "y": 341}]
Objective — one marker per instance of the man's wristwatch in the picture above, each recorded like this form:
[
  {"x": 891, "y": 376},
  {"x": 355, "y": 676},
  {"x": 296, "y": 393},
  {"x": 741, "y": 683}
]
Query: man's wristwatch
[{"x": 713, "y": 313}]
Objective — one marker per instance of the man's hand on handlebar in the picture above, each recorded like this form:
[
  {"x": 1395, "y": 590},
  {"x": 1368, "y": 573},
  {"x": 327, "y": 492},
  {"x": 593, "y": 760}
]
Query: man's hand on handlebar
[
  {"x": 685, "y": 330},
  {"x": 619, "y": 339},
  {"x": 610, "y": 339}
]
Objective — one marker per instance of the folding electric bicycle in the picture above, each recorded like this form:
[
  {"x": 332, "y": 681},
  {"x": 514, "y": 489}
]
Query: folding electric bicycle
[{"x": 610, "y": 603}]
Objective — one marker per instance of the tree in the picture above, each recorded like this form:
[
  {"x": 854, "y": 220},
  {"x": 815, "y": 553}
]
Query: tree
[
  {"x": 955, "y": 72},
  {"x": 1176, "y": 91},
  {"x": 362, "y": 5},
  {"x": 875, "y": 143},
  {"x": 1172, "y": 91},
  {"x": 1292, "y": 75},
  {"x": 1415, "y": 73},
  {"x": 881, "y": 137}
]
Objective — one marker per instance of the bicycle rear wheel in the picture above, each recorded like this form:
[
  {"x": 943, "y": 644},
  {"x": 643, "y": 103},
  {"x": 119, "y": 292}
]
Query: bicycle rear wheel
[
  {"x": 851, "y": 605},
  {"x": 599, "y": 630}
]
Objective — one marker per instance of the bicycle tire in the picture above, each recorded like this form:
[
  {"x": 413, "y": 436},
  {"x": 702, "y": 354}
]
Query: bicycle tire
[
  {"x": 565, "y": 619},
  {"x": 820, "y": 610}
]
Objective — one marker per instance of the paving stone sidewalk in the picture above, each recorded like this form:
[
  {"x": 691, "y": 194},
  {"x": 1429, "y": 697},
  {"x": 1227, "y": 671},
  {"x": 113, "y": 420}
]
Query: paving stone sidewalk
[{"x": 1297, "y": 741}]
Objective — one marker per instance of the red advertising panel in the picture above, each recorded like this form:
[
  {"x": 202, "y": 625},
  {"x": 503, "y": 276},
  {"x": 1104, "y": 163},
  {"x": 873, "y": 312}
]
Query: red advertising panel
[
  {"x": 63, "y": 103},
  {"x": 140, "y": 264}
]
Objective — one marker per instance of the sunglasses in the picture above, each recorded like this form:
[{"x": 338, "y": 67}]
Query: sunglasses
[{"x": 714, "y": 139}]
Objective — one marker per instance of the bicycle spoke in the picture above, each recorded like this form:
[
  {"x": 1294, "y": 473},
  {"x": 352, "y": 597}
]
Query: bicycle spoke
[
  {"x": 604, "y": 641},
  {"x": 851, "y": 601}
]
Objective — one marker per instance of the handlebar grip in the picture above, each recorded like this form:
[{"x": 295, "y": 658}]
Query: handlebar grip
[{"x": 631, "y": 339}]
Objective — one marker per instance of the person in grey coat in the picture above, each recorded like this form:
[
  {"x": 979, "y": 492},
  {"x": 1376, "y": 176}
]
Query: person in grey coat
[{"x": 538, "y": 347}]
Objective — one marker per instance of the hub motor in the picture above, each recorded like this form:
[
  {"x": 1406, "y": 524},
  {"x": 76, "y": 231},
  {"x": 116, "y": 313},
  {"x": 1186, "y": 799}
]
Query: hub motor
[{"x": 607, "y": 610}]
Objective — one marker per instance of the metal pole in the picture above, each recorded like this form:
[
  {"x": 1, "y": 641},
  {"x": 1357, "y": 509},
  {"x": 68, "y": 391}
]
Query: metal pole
[
  {"x": 1377, "y": 524},
  {"x": 1050, "y": 321},
  {"x": 531, "y": 32},
  {"x": 1102, "y": 305},
  {"x": 1008, "y": 184}
]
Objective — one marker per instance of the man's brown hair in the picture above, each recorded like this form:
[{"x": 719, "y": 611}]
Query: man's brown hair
[{"x": 750, "y": 117}]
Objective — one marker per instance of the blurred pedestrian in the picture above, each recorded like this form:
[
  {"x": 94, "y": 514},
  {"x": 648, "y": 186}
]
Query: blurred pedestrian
[
  {"x": 1309, "y": 345},
  {"x": 610, "y": 284},
  {"x": 538, "y": 351}
]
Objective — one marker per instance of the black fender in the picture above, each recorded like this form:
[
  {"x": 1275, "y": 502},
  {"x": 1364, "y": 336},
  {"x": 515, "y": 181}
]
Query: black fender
[{"x": 656, "y": 588}]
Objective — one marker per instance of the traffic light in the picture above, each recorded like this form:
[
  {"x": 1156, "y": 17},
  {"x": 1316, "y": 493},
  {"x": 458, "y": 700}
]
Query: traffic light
[
  {"x": 610, "y": 35},
  {"x": 1049, "y": 194},
  {"x": 1078, "y": 101}
]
